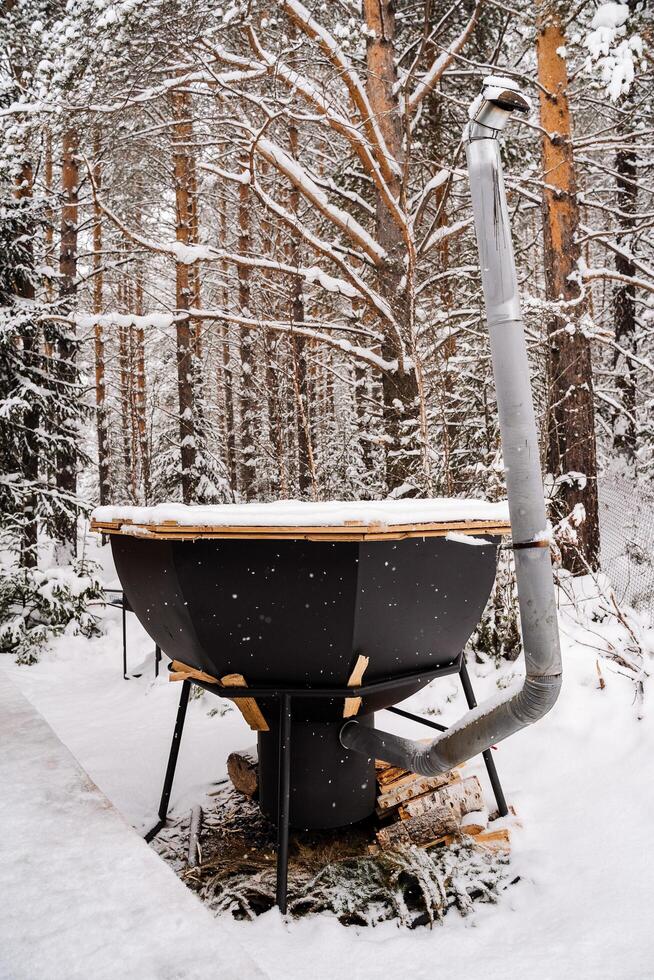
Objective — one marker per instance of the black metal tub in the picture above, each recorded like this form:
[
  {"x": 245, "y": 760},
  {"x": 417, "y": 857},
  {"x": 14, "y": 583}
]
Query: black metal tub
[{"x": 297, "y": 614}]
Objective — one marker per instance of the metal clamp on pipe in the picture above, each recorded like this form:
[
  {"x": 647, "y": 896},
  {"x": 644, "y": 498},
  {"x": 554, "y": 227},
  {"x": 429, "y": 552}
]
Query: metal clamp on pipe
[{"x": 495, "y": 720}]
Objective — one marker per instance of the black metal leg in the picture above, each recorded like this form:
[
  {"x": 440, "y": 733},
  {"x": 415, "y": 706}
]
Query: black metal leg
[
  {"x": 421, "y": 721},
  {"x": 283, "y": 800},
  {"x": 125, "y": 677},
  {"x": 157, "y": 659},
  {"x": 172, "y": 761},
  {"x": 487, "y": 755}
]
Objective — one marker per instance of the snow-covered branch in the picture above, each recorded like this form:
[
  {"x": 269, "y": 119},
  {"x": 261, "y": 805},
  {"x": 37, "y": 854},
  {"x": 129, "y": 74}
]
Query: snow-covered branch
[
  {"x": 443, "y": 61},
  {"x": 302, "y": 19}
]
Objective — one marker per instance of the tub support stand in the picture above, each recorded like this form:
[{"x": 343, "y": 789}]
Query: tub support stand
[
  {"x": 284, "y": 800},
  {"x": 285, "y": 698},
  {"x": 487, "y": 754},
  {"x": 172, "y": 761}
]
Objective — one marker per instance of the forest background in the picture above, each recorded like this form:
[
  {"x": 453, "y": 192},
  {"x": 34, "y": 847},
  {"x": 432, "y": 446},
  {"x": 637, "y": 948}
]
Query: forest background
[{"x": 237, "y": 263}]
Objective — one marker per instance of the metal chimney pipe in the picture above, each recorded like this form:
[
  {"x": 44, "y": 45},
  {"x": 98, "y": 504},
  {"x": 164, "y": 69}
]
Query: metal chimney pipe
[{"x": 497, "y": 719}]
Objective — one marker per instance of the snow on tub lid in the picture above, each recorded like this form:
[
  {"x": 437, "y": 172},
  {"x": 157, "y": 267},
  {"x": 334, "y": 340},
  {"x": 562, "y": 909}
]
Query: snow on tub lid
[{"x": 340, "y": 520}]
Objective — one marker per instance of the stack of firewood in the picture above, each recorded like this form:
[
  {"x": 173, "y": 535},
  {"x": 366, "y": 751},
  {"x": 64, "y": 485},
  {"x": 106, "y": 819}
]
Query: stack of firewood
[
  {"x": 421, "y": 810},
  {"x": 431, "y": 810}
]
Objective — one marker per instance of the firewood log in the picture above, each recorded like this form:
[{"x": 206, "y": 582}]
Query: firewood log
[
  {"x": 433, "y": 815},
  {"x": 461, "y": 797},
  {"x": 474, "y": 823},
  {"x": 410, "y": 786},
  {"x": 242, "y": 770}
]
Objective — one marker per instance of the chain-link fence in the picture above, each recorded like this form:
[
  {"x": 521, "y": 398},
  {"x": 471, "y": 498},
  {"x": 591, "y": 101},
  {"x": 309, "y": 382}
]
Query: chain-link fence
[{"x": 626, "y": 513}]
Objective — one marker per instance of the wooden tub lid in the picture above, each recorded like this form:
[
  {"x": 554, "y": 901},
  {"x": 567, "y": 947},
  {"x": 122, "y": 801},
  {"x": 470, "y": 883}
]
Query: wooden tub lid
[{"x": 359, "y": 520}]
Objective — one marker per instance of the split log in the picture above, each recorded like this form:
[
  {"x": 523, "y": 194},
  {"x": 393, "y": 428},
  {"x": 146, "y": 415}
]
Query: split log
[
  {"x": 243, "y": 772},
  {"x": 352, "y": 705},
  {"x": 395, "y": 835},
  {"x": 495, "y": 840},
  {"x": 434, "y": 815},
  {"x": 247, "y": 706},
  {"x": 474, "y": 823},
  {"x": 390, "y": 774},
  {"x": 410, "y": 787},
  {"x": 387, "y": 773},
  {"x": 460, "y": 797},
  {"x": 194, "y": 836},
  {"x": 182, "y": 672},
  {"x": 491, "y": 840}
]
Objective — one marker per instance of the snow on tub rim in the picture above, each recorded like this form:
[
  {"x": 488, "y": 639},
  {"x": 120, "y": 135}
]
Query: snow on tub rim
[{"x": 338, "y": 519}]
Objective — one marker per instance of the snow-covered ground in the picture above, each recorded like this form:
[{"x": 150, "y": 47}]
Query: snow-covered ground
[{"x": 579, "y": 781}]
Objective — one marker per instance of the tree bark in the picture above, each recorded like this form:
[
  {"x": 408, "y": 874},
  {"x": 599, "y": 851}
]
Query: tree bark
[
  {"x": 30, "y": 341},
  {"x": 66, "y": 473},
  {"x": 247, "y": 406},
  {"x": 400, "y": 388},
  {"x": 140, "y": 395},
  {"x": 306, "y": 470},
  {"x": 624, "y": 304},
  {"x": 571, "y": 451},
  {"x": 102, "y": 428},
  {"x": 126, "y": 422},
  {"x": 185, "y": 334}
]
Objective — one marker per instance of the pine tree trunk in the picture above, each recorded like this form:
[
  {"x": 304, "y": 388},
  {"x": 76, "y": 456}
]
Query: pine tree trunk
[
  {"x": 300, "y": 378},
  {"x": 66, "y": 472},
  {"x": 400, "y": 388},
  {"x": 275, "y": 421},
  {"x": 225, "y": 380},
  {"x": 185, "y": 334},
  {"x": 624, "y": 304},
  {"x": 125, "y": 399},
  {"x": 246, "y": 468},
  {"x": 48, "y": 226},
  {"x": 571, "y": 452},
  {"x": 30, "y": 340},
  {"x": 102, "y": 428},
  {"x": 140, "y": 395}
]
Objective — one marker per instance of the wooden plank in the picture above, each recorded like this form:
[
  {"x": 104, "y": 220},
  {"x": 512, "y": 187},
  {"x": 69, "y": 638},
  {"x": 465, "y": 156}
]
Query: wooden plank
[
  {"x": 247, "y": 706},
  {"x": 495, "y": 840},
  {"x": 185, "y": 535},
  {"x": 347, "y": 528},
  {"x": 492, "y": 840},
  {"x": 352, "y": 705},
  {"x": 182, "y": 672},
  {"x": 349, "y": 531},
  {"x": 345, "y": 531}
]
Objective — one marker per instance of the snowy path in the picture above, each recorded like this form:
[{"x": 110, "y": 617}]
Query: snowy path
[
  {"x": 82, "y": 894},
  {"x": 579, "y": 780}
]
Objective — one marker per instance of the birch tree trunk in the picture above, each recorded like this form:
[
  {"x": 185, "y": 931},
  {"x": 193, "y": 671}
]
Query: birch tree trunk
[{"x": 571, "y": 452}]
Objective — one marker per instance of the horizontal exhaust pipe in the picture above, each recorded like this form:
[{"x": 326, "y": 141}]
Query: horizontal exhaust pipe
[{"x": 498, "y": 718}]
